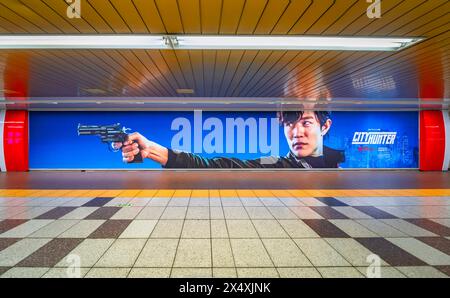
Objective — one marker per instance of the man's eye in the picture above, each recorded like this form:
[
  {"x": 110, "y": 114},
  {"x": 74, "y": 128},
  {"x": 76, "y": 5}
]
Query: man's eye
[
  {"x": 289, "y": 124},
  {"x": 307, "y": 123}
]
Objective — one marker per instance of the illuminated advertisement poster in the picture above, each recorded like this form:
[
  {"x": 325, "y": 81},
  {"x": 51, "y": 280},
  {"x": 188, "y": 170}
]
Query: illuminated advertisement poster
[{"x": 289, "y": 140}]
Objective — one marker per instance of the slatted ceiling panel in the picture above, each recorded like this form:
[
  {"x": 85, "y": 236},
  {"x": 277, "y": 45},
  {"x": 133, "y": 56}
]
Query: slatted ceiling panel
[
  {"x": 54, "y": 74},
  {"x": 330, "y": 16},
  {"x": 355, "y": 12},
  {"x": 59, "y": 23},
  {"x": 76, "y": 69},
  {"x": 221, "y": 58},
  {"x": 67, "y": 69},
  {"x": 291, "y": 16},
  {"x": 273, "y": 70},
  {"x": 244, "y": 63},
  {"x": 196, "y": 58},
  {"x": 302, "y": 60},
  {"x": 272, "y": 60},
  {"x": 404, "y": 67},
  {"x": 253, "y": 69},
  {"x": 42, "y": 75},
  {"x": 278, "y": 65},
  {"x": 129, "y": 13},
  {"x": 182, "y": 74},
  {"x": 231, "y": 14},
  {"x": 171, "y": 60},
  {"x": 312, "y": 15},
  {"x": 186, "y": 68},
  {"x": 394, "y": 24},
  {"x": 357, "y": 61},
  {"x": 53, "y": 78},
  {"x": 122, "y": 63},
  {"x": 148, "y": 72},
  {"x": 16, "y": 8},
  {"x": 251, "y": 15},
  {"x": 232, "y": 66},
  {"x": 96, "y": 62},
  {"x": 60, "y": 8},
  {"x": 272, "y": 13},
  {"x": 363, "y": 21},
  {"x": 340, "y": 54},
  {"x": 162, "y": 66},
  {"x": 209, "y": 63},
  {"x": 110, "y": 15},
  {"x": 413, "y": 91},
  {"x": 398, "y": 65},
  {"x": 433, "y": 28},
  {"x": 309, "y": 65},
  {"x": 169, "y": 12},
  {"x": 154, "y": 70},
  {"x": 210, "y": 16},
  {"x": 253, "y": 72},
  {"x": 10, "y": 27},
  {"x": 440, "y": 12},
  {"x": 95, "y": 59},
  {"x": 150, "y": 16},
  {"x": 190, "y": 16},
  {"x": 347, "y": 87},
  {"x": 92, "y": 18},
  {"x": 18, "y": 20},
  {"x": 368, "y": 64},
  {"x": 18, "y": 62},
  {"x": 331, "y": 67},
  {"x": 366, "y": 59},
  {"x": 116, "y": 58},
  {"x": 241, "y": 70},
  {"x": 417, "y": 17},
  {"x": 145, "y": 77},
  {"x": 391, "y": 16}
]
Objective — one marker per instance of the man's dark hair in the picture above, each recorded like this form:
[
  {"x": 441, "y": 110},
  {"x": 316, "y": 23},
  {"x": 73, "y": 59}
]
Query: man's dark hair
[{"x": 293, "y": 116}]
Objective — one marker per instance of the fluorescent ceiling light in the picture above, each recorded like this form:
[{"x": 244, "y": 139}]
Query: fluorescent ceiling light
[
  {"x": 294, "y": 43},
  {"x": 197, "y": 42},
  {"x": 82, "y": 42}
]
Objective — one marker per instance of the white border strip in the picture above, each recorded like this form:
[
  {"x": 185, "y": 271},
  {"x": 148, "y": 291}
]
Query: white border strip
[
  {"x": 446, "y": 163},
  {"x": 2, "y": 152}
]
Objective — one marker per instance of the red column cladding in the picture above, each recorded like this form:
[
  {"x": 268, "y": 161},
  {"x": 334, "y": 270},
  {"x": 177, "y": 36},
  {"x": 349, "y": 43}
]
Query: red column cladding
[
  {"x": 432, "y": 141},
  {"x": 15, "y": 141}
]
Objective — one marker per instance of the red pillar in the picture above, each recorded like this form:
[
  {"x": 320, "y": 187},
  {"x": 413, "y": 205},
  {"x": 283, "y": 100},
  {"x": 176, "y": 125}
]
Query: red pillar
[
  {"x": 14, "y": 140},
  {"x": 434, "y": 142}
]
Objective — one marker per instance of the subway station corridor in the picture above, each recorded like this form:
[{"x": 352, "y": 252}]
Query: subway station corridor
[{"x": 213, "y": 142}]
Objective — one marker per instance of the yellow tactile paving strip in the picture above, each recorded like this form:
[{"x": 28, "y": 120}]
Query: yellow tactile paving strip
[{"x": 205, "y": 193}]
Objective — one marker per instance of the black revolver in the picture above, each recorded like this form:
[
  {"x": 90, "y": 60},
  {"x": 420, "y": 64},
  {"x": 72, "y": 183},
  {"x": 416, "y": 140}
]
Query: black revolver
[{"x": 108, "y": 134}]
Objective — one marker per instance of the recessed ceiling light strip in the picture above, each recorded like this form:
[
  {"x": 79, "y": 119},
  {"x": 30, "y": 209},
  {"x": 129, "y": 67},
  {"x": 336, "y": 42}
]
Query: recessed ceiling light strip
[{"x": 199, "y": 42}]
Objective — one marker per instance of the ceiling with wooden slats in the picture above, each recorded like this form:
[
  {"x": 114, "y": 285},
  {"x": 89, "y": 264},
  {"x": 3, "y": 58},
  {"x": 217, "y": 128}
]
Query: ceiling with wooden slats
[{"x": 227, "y": 78}]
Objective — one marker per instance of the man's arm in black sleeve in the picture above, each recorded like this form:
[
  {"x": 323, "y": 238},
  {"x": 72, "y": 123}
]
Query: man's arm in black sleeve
[{"x": 178, "y": 159}]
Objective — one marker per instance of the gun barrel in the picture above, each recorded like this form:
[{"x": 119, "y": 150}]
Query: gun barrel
[{"x": 99, "y": 129}]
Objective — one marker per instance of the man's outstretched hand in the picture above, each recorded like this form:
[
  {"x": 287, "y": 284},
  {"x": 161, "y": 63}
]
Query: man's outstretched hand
[{"x": 138, "y": 144}]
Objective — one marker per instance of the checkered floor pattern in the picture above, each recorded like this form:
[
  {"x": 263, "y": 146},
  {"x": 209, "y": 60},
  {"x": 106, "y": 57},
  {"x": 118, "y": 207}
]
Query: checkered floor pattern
[{"x": 255, "y": 236}]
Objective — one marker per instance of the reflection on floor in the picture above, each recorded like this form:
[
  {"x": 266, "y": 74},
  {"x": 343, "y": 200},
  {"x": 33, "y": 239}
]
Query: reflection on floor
[{"x": 224, "y": 233}]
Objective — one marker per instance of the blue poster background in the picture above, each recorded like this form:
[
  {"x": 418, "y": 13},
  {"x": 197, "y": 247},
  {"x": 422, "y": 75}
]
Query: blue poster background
[{"x": 54, "y": 143}]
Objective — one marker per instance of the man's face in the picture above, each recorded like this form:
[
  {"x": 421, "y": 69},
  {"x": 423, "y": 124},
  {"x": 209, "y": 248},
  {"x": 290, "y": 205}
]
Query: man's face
[{"x": 304, "y": 136}]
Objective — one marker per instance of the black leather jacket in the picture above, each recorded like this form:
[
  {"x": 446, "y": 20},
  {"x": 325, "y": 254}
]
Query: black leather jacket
[{"x": 330, "y": 159}]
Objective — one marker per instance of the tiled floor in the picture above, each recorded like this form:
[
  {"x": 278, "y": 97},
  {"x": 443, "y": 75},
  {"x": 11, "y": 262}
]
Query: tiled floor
[{"x": 203, "y": 233}]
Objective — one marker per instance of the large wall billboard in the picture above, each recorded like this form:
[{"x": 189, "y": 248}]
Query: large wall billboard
[{"x": 155, "y": 140}]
